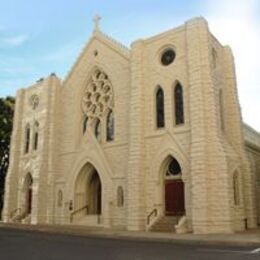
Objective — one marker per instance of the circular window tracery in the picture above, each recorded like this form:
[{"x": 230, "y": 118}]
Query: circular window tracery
[
  {"x": 168, "y": 56},
  {"x": 98, "y": 95},
  {"x": 34, "y": 101}
]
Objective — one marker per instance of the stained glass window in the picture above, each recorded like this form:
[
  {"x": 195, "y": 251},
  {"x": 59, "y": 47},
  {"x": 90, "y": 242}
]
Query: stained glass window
[
  {"x": 236, "y": 188},
  {"x": 168, "y": 57},
  {"x": 60, "y": 198},
  {"x": 36, "y": 135},
  {"x": 98, "y": 130},
  {"x": 178, "y": 100},
  {"x": 110, "y": 126},
  {"x": 120, "y": 197},
  {"x": 85, "y": 124},
  {"x": 27, "y": 138},
  {"x": 174, "y": 168},
  {"x": 160, "y": 108}
]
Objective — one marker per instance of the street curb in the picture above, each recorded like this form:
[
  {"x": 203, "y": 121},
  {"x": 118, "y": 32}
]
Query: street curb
[{"x": 117, "y": 235}]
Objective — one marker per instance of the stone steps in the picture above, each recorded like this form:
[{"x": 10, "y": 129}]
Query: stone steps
[
  {"x": 26, "y": 219},
  {"x": 89, "y": 220},
  {"x": 165, "y": 224},
  {"x": 18, "y": 218}
]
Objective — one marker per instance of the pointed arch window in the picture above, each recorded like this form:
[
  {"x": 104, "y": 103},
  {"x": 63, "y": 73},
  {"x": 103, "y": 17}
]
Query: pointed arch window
[
  {"x": 120, "y": 197},
  {"x": 85, "y": 124},
  {"x": 236, "y": 189},
  {"x": 178, "y": 102},
  {"x": 98, "y": 130},
  {"x": 214, "y": 58},
  {"x": 29, "y": 193},
  {"x": 174, "y": 168},
  {"x": 221, "y": 110},
  {"x": 59, "y": 198},
  {"x": 35, "y": 135},
  {"x": 27, "y": 138},
  {"x": 110, "y": 126},
  {"x": 160, "y": 122}
]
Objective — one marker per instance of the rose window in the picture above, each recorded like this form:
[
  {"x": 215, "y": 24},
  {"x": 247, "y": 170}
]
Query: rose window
[{"x": 98, "y": 95}]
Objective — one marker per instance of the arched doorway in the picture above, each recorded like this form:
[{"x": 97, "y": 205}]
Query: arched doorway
[
  {"x": 28, "y": 194},
  {"x": 88, "y": 192},
  {"x": 174, "y": 189},
  {"x": 95, "y": 194}
]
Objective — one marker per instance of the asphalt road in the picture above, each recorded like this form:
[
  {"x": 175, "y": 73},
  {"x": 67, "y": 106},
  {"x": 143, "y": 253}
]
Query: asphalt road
[{"x": 27, "y": 245}]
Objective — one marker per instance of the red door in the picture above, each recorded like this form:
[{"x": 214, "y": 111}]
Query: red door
[{"x": 174, "y": 198}]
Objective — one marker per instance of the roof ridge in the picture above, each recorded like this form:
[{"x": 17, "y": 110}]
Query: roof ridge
[
  {"x": 249, "y": 127},
  {"x": 114, "y": 41},
  {"x": 78, "y": 58}
]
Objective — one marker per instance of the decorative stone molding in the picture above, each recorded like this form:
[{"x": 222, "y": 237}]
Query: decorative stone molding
[
  {"x": 34, "y": 101},
  {"x": 98, "y": 95},
  {"x": 182, "y": 226}
]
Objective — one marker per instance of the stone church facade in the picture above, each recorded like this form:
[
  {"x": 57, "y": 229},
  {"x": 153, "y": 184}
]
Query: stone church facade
[{"x": 146, "y": 138}]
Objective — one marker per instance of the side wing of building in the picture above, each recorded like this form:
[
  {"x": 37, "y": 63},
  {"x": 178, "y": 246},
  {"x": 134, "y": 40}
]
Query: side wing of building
[{"x": 252, "y": 145}]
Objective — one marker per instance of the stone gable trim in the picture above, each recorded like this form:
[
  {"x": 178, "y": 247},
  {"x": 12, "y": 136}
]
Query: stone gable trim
[
  {"x": 252, "y": 137},
  {"x": 108, "y": 41}
]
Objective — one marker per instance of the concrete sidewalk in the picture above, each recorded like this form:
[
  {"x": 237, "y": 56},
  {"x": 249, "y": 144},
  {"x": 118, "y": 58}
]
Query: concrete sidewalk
[{"x": 247, "y": 238}]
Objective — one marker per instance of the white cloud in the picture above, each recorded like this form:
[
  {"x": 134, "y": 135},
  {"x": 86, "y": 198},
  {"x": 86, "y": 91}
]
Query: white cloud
[
  {"x": 235, "y": 22},
  {"x": 14, "y": 41}
]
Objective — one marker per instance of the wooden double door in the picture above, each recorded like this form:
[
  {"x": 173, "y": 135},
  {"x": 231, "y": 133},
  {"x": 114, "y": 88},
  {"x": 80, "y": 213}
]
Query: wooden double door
[{"x": 174, "y": 198}]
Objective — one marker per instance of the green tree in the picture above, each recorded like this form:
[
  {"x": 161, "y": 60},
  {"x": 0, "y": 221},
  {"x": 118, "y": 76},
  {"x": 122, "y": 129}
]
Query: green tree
[{"x": 6, "y": 124}]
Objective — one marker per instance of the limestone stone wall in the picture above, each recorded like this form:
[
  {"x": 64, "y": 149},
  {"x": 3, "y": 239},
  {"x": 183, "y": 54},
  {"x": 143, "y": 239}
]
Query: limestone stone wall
[
  {"x": 209, "y": 146},
  {"x": 34, "y": 162},
  {"x": 211, "y": 207},
  {"x": 110, "y": 158},
  {"x": 252, "y": 143},
  {"x": 193, "y": 143},
  {"x": 230, "y": 131},
  {"x": 170, "y": 140}
]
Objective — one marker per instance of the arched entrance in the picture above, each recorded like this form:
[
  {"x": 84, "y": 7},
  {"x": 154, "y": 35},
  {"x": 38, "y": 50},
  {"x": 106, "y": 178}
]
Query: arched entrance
[
  {"x": 174, "y": 189},
  {"x": 28, "y": 193},
  {"x": 88, "y": 192},
  {"x": 95, "y": 194}
]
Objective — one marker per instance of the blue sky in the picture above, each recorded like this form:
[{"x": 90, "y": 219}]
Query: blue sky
[{"x": 40, "y": 37}]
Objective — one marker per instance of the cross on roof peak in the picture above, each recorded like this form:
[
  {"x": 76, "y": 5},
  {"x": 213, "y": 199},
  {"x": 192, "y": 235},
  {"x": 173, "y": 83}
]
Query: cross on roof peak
[{"x": 96, "y": 20}]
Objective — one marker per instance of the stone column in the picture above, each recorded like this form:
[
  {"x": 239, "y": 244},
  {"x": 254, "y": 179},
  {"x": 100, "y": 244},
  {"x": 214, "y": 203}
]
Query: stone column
[
  {"x": 135, "y": 174},
  {"x": 48, "y": 162},
  {"x": 53, "y": 145},
  {"x": 42, "y": 191},
  {"x": 211, "y": 211}
]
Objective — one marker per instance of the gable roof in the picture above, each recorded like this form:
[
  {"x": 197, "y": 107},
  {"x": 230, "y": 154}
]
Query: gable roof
[{"x": 108, "y": 41}]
